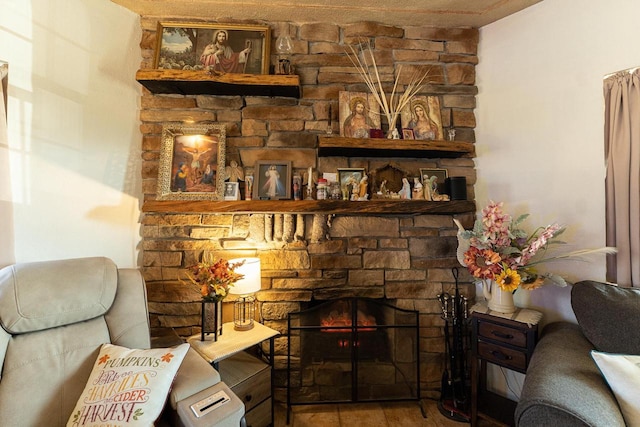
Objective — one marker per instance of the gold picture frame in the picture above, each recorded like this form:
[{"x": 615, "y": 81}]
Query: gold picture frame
[
  {"x": 192, "y": 162},
  {"x": 198, "y": 46}
]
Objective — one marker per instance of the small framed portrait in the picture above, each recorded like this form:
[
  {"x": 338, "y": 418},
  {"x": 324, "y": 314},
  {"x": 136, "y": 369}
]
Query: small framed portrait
[
  {"x": 231, "y": 191},
  {"x": 349, "y": 179},
  {"x": 422, "y": 116},
  {"x": 221, "y": 48},
  {"x": 272, "y": 180},
  {"x": 407, "y": 134},
  {"x": 192, "y": 161},
  {"x": 440, "y": 175},
  {"x": 359, "y": 114}
]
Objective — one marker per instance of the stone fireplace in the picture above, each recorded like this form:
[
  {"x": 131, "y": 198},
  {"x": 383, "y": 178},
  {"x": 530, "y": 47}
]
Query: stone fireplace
[{"x": 404, "y": 258}]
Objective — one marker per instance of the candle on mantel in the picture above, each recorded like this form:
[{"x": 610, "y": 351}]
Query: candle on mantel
[{"x": 310, "y": 184}]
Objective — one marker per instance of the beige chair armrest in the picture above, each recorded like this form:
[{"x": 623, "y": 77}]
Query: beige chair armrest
[{"x": 194, "y": 375}]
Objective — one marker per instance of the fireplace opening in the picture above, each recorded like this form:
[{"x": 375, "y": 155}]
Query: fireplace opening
[{"x": 352, "y": 350}]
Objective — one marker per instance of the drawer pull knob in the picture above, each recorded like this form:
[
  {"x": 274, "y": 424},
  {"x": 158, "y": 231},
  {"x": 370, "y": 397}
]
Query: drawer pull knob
[
  {"x": 248, "y": 398},
  {"x": 501, "y": 335},
  {"x": 500, "y": 355}
]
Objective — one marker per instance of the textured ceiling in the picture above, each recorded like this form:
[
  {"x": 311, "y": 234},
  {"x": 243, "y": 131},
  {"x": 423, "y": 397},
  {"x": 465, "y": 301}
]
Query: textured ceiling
[{"x": 433, "y": 13}]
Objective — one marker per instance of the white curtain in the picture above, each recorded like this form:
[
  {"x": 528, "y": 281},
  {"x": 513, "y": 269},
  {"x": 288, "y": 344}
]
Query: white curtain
[{"x": 622, "y": 154}]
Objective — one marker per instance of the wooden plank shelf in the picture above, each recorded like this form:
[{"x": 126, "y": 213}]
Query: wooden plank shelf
[
  {"x": 199, "y": 82},
  {"x": 371, "y": 207},
  {"x": 375, "y": 147}
]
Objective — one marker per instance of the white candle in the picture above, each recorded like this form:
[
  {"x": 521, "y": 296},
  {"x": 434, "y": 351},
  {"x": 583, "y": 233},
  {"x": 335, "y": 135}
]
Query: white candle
[{"x": 310, "y": 179}]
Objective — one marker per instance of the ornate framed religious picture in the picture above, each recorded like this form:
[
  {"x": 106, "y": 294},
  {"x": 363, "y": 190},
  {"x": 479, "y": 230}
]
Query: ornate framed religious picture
[
  {"x": 272, "y": 180},
  {"x": 220, "y": 48},
  {"x": 192, "y": 161},
  {"x": 359, "y": 114}
]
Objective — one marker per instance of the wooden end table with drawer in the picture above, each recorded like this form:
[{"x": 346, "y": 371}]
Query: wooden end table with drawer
[
  {"x": 506, "y": 340},
  {"x": 249, "y": 376}
]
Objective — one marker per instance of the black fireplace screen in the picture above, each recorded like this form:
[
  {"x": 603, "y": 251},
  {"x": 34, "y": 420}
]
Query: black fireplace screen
[{"x": 353, "y": 350}]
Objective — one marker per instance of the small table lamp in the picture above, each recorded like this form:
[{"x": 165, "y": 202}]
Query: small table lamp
[{"x": 244, "y": 307}]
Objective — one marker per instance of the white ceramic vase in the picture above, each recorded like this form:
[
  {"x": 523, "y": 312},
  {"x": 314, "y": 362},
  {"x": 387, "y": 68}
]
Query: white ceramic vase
[{"x": 498, "y": 300}]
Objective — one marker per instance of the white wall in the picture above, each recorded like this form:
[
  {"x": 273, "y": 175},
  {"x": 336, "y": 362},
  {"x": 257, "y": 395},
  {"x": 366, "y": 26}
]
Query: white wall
[
  {"x": 73, "y": 130},
  {"x": 540, "y": 126},
  {"x": 540, "y": 121}
]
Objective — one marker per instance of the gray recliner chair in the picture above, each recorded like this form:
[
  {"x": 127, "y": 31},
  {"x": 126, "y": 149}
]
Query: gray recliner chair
[{"x": 55, "y": 316}]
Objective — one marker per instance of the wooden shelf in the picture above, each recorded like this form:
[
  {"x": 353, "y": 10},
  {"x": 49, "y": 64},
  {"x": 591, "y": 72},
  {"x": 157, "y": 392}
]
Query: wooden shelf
[
  {"x": 372, "y": 207},
  {"x": 375, "y": 147},
  {"x": 200, "y": 82}
]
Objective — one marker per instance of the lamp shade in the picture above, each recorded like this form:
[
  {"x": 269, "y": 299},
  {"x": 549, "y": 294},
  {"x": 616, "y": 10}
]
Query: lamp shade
[{"x": 251, "y": 282}]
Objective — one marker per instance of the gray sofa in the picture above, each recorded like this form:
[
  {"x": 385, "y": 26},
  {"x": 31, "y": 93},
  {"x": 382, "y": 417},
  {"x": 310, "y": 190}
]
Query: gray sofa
[{"x": 563, "y": 385}]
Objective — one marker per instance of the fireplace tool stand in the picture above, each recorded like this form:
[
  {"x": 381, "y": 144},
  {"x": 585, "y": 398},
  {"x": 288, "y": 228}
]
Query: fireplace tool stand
[{"x": 454, "y": 398}]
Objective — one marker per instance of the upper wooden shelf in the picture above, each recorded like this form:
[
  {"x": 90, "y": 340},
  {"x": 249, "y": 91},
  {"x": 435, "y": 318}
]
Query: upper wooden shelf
[
  {"x": 200, "y": 82},
  {"x": 380, "y": 147},
  {"x": 371, "y": 207}
]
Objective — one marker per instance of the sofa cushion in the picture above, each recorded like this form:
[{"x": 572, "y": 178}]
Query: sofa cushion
[
  {"x": 43, "y": 295},
  {"x": 127, "y": 387},
  {"x": 622, "y": 373},
  {"x": 608, "y": 316}
]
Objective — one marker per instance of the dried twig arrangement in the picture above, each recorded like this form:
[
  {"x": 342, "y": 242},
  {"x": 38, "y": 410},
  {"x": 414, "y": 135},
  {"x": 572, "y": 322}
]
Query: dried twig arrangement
[{"x": 368, "y": 70}]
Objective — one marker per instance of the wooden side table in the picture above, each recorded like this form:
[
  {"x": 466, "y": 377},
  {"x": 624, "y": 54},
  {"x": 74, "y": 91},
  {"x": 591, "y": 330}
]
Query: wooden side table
[
  {"x": 506, "y": 340},
  {"x": 250, "y": 378}
]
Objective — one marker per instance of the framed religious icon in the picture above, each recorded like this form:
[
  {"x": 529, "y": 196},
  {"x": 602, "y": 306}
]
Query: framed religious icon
[
  {"x": 407, "y": 134},
  {"x": 349, "y": 180},
  {"x": 422, "y": 116},
  {"x": 272, "y": 180},
  {"x": 427, "y": 174},
  {"x": 359, "y": 114},
  {"x": 231, "y": 191},
  {"x": 220, "y": 48},
  {"x": 192, "y": 162}
]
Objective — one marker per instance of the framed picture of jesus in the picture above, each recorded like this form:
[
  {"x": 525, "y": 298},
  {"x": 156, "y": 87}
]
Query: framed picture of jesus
[{"x": 218, "y": 48}]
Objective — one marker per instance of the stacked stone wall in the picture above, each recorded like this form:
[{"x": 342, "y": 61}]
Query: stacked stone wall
[{"x": 407, "y": 259}]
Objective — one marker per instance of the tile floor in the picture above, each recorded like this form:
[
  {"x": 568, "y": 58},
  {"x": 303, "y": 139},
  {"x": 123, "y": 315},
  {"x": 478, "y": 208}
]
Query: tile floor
[{"x": 387, "y": 414}]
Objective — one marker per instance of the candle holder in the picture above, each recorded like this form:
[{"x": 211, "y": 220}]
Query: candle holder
[
  {"x": 284, "y": 47},
  {"x": 329, "y": 124},
  {"x": 309, "y": 184}
]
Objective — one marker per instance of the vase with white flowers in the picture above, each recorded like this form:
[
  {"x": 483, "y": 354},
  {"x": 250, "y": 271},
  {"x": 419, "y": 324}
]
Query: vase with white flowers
[{"x": 505, "y": 257}]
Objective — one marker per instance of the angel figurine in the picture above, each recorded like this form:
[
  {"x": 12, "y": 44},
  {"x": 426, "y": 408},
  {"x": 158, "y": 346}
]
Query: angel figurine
[{"x": 233, "y": 172}]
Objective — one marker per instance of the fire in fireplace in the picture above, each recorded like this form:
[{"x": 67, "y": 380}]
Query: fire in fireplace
[{"x": 352, "y": 350}]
